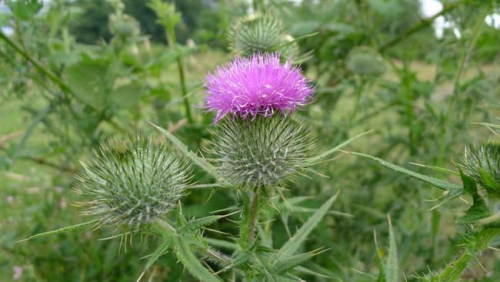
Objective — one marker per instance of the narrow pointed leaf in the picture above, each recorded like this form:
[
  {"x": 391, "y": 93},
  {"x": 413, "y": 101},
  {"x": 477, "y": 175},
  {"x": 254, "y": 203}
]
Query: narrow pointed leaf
[
  {"x": 222, "y": 244},
  {"x": 191, "y": 155},
  {"x": 292, "y": 245},
  {"x": 162, "y": 249},
  {"x": 191, "y": 262},
  {"x": 204, "y": 221},
  {"x": 289, "y": 263},
  {"x": 392, "y": 268},
  {"x": 336, "y": 148},
  {"x": 441, "y": 184},
  {"x": 64, "y": 229}
]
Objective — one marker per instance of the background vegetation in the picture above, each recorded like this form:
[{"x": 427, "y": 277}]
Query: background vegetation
[{"x": 75, "y": 73}]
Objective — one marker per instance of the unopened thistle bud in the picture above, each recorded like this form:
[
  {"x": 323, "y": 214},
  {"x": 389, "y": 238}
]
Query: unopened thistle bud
[
  {"x": 131, "y": 182},
  {"x": 262, "y": 151},
  {"x": 261, "y": 33},
  {"x": 124, "y": 26},
  {"x": 259, "y": 144},
  {"x": 365, "y": 62},
  {"x": 482, "y": 163}
]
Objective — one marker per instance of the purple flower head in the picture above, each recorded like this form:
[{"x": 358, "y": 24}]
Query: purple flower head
[{"x": 259, "y": 85}]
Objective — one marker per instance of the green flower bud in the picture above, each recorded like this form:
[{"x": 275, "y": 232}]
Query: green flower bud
[
  {"x": 124, "y": 26},
  {"x": 132, "y": 181},
  {"x": 482, "y": 163},
  {"x": 260, "y": 33},
  {"x": 365, "y": 62},
  {"x": 262, "y": 151}
]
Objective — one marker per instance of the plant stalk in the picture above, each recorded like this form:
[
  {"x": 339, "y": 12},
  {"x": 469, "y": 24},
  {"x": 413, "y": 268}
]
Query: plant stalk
[
  {"x": 455, "y": 269},
  {"x": 250, "y": 218},
  {"x": 36, "y": 63},
  {"x": 172, "y": 42}
]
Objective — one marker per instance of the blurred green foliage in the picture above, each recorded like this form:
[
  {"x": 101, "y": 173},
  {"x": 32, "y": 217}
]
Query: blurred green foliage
[{"x": 75, "y": 73}]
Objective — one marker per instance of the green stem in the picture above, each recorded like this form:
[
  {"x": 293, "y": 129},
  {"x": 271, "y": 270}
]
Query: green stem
[
  {"x": 456, "y": 82},
  {"x": 36, "y": 63},
  {"x": 172, "y": 42},
  {"x": 454, "y": 270},
  {"x": 267, "y": 239},
  {"x": 182, "y": 79},
  {"x": 250, "y": 217}
]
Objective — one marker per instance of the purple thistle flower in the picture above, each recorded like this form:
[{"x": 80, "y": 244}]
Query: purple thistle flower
[{"x": 259, "y": 85}]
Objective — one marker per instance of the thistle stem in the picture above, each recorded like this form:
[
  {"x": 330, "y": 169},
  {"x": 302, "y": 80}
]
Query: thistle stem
[
  {"x": 454, "y": 270},
  {"x": 41, "y": 68},
  {"x": 250, "y": 217},
  {"x": 172, "y": 42},
  {"x": 253, "y": 216},
  {"x": 182, "y": 79}
]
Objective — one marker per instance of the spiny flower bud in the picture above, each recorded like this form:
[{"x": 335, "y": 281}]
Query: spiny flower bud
[
  {"x": 365, "y": 62},
  {"x": 262, "y": 151},
  {"x": 482, "y": 163},
  {"x": 260, "y": 33},
  {"x": 259, "y": 85},
  {"x": 124, "y": 26},
  {"x": 132, "y": 181}
]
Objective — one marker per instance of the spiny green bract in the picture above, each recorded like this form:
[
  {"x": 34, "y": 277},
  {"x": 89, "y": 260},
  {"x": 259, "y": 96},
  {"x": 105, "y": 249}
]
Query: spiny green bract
[
  {"x": 260, "y": 34},
  {"x": 132, "y": 181},
  {"x": 261, "y": 151},
  {"x": 482, "y": 163}
]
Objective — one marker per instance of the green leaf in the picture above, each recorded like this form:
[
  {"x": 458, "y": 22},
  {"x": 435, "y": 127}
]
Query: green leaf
[
  {"x": 191, "y": 262},
  {"x": 289, "y": 263},
  {"x": 392, "y": 268},
  {"x": 489, "y": 181},
  {"x": 191, "y": 155},
  {"x": 162, "y": 249},
  {"x": 24, "y": 9},
  {"x": 479, "y": 209},
  {"x": 204, "y": 221},
  {"x": 126, "y": 96},
  {"x": 379, "y": 259},
  {"x": 431, "y": 180},
  {"x": 336, "y": 148},
  {"x": 293, "y": 244},
  {"x": 64, "y": 229},
  {"x": 222, "y": 244},
  {"x": 87, "y": 80}
]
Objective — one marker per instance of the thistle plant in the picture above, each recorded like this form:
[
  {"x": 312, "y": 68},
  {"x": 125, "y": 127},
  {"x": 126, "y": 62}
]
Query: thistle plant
[
  {"x": 259, "y": 144},
  {"x": 482, "y": 164},
  {"x": 132, "y": 182},
  {"x": 261, "y": 33},
  {"x": 480, "y": 224},
  {"x": 136, "y": 185}
]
